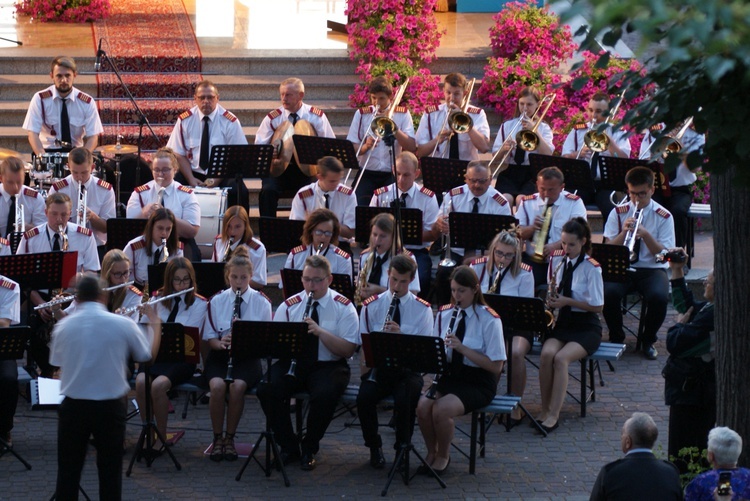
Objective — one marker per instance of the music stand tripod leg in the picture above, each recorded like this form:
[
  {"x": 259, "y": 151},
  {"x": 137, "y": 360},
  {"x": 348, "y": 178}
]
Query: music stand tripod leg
[{"x": 5, "y": 448}]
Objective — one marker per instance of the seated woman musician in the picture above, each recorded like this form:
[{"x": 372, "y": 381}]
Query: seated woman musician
[
  {"x": 376, "y": 259},
  {"x": 579, "y": 297},
  {"x": 236, "y": 231},
  {"x": 502, "y": 272},
  {"x": 473, "y": 335},
  {"x": 189, "y": 310},
  {"x": 238, "y": 302},
  {"x": 158, "y": 244}
]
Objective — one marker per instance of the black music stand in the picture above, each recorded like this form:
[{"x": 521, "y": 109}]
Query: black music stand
[
  {"x": 12, "y": 345},
  {"x": 577, "y": 172},
  {"x": 476, "y": 231},
  {"x": 280, "y": 234},
  {"x": 283, "y": 340},
  {"x": 239, "y": 161},
  {"x": 388, "y": 350},
  {"x": 522, "y": 314},
  {"x": 614, "y": 169},
  {"x": 120, "y": 231},
  {"x": 292, "y": 280},
  {"x": 155, "y": 276},
  {"x": 310, "y": 149},
  {"x": 171, "y": 350},
  {"x": 209, "y": 278},
  {"x": 441, "y": 175},
  {"x": 411, "y": 224}
]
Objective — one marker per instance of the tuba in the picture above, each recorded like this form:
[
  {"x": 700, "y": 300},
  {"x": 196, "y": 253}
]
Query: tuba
[{"x": 541, "y": 236}]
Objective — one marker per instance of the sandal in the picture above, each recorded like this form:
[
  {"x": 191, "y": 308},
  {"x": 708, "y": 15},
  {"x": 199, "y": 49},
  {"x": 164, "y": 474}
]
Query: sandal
[
  {"x": 217, "y": 448},
  {"x": 230, "y": 453}
]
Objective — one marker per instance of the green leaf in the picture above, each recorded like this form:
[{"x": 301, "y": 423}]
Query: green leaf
[{"x": 578, "y": 83}]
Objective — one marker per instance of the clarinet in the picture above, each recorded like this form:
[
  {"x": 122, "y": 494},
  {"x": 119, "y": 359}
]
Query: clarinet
[
  {"x": 237, "y": 301},
  {"x": 432, "y": 390},
  {"x": 372, "y": 378},
  {"x": 292, "y": 372}
]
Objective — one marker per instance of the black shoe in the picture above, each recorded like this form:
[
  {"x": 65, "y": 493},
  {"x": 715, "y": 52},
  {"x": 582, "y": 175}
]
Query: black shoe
[
  {"x": 440, "y": 472},
  {"x": 288, "y": 458},
  {"x": 550, "y": 429},
  {"x": 423, "y": 470},
  {"x": 377, "y": 460},
  {"x": 650, "y": 352},
  {"x": 617, "y": 339},
  {"x": 308, "y": 463}
]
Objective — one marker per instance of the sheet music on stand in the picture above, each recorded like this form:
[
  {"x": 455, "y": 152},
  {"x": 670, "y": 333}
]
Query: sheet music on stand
[
  {"x": 292, "y": 280},
  {"x": 411, "y": 224},
  {"x": 519, "y": 313},
  {"x": 614, "y": 260},
  {"x": 476, "y": 231},
  {"x": 614, "y": 169},
  {"x": 209, "y": 277},
  {"x": 43, "y": 270},
  {"x": 442, "y": 174},
  {"x": 240, "y": 161},
  {"x": 122, "y": 230},
  {"x": 45, "y": 393},
  {"x": 577, "y": 172},
  {"x": 310, "y": 149},
  {"x": 280, "y": 234}
]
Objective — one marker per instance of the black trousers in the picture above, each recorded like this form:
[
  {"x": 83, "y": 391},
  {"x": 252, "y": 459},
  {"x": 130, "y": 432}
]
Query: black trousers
[
  {"x": 688, "y": 427},
  {"x": 78, "y": 420},
  {"x": 324, "y": 381},
  {"x": 405, "y": 386},
  {"x": 371, "y": 181},
  {"x": 8, "y": 395},
  {"x": 271, "y": 188},
  {"x": 653, "y": 285},
  {"x": 679, "y": 205}
]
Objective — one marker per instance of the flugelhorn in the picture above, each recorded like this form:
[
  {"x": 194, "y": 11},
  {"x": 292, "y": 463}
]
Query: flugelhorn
[
  {"x": 81, "y": 207},
  {"x": 540, "y": 239},
  {"x": 292, "y": 372},
  {"x": 432, "y": 390},
  {"x": 152, "y": 301},
  {"x": 235, "y": 315}
]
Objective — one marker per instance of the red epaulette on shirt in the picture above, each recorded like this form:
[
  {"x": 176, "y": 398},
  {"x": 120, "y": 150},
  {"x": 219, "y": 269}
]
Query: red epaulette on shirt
[
  {"x": 446, "y": 307},
  {"x": 382, "y": 190},
  {"x": 342, "y": 299},
  {"x": 407, "y": 253},
  {"x": 263, "y": 294},
  {"x": 420, "y": 300},
  {"x": 593, "y": 261},
  {"x": 181, "y": 246},
  {"x": 526, "y": 198},
  {"x": 306, "y": 193},
  {"x": 663, "y": 213},
  {"x": 135, "y": 290},
  {"x": 571, "y": 196},
  {"x": 7, "y": 284},
  {"x": 370, "y": 299},
  {"x": 497, "y": 197},
  {"x": 45, "y": 94},
  {"x": 342, "y": 253},
  {"x": 431, "y": 109},
  {"x": 85, "y": 231},
  {"x": 201, "y": 297},
  {"x": 84, "y": 97},
  {"x": 275, "y": 113},
  {"x": 293, "y": 300},
  {"x": 4, "y": 241},
  {"x": 457, "y": 191},
  {"x": 60, "y": 184},
  {"x": 185, "y": 114},
  {"x": 298, "y": 249},
  {"x": 473, "y": 109},
  {"x": 400, "y": 109},
  {"x": 138, "y": 244},
  {"x": 30, "y": 192},
  {"x": 491, "y": 312},
  {"x": 104, "y": 184},
  {"x": 366, "y": 110},
  {"x": 656, "y": 127},
  {"x": 344, "y": 189},
  {"x": 558, "y": 252},
  {"x": 316, "y": 111},
  {"x": 31, "y": 233},
  {"x": 525, "y": 267},
  {"x": 229, "y": 116},
  {"x": 622, "y": 209},
  {"x": 480, "y": 260},
  {"x": 142, "y": 188},
  {"x": 253, "y": 244},
  {"x": 186, "y": 189},
  {"x": 427, "y": 191},
  {"x": 580, "y": 126}
]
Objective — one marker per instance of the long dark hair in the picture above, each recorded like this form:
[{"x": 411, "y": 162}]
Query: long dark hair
[
  {"x": 579, "y": 227},
  {"x": 172, "y": 240}
]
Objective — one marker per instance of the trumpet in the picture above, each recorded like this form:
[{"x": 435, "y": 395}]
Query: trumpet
[
  {"x": 552, "y": 292},
  {"x": 235, "y": 315},
  {"x": 81, "y": 218},
  {"x": 19, "y": 225},
  {"x": 630, "y": 236},
  {"x": 528, "y": 140},
  {"x": 458, "y": 121},
  {"x": 152, "y": 301},
  {"x": 227, "y": 249},
  {"x": 164, "y": 251},
  {"x": 68, "y": 299},
  {"x": 432, "y": 390},
  {"x": 292, "y": 372},
  {"x": 541, "y": 236}
]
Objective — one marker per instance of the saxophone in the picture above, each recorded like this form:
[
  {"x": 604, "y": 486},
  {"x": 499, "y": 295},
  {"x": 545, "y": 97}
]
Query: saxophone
[
  {"x": 494, "y": 288},
  {"x": 228, "y": 249},
  {"x": 364, "y": 273},
  {"x": 549, "y": 312}
]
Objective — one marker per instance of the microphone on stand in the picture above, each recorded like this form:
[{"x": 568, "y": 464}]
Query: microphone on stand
[{"x": 99, "y": 53}]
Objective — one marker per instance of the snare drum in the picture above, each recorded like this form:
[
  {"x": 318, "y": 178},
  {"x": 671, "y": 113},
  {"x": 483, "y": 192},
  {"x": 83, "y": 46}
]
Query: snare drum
[
  {"x": 213, "y": 204},
  {"x": 52, "y": 165}
]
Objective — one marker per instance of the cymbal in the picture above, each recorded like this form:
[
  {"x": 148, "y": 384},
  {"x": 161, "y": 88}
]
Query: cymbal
[
  {"x": 117, "y": 149},
  {"x": 6, "y": 153}
]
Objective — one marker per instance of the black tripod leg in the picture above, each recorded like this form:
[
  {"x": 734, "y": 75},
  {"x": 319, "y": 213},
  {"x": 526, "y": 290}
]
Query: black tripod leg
[
  {"x": 137, "y": 451},
  {"x": 536, "y": 423},
  {"x": 250, "y": 457},
  {"x": 277, "y": 455},
  {"x": 4, "y": 447},
  {"x": 151, "y": 458}
]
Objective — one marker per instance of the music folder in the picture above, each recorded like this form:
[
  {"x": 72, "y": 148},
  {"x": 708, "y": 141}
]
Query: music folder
[{"x": 45, "y": 393}]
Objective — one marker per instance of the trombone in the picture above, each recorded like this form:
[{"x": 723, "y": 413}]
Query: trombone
[
  {"x": 670, "y": 143},
  {"x": 599, "y": 141},
  {"x": 458, "y": 121}
]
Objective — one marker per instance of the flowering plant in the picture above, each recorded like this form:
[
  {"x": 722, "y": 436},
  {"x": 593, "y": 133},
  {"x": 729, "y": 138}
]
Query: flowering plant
[
  {"x": 702, "y": 188},
  {"x": 68, "y": 11}
]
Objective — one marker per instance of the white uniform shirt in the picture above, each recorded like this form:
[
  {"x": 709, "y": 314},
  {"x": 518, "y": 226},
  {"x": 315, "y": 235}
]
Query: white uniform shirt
[
  {"x": 43, "y": 116},
  {"x": 566, "y": 207},
  {"x": 41, "y": 239},
  {"x": 5, "y": 249},
  {"x": 691, "y": 141},
  {"x": 10, "y": 300},
  {"x": 380, "y": 155},
  {"x": 223, "y": 128},
  {"x": 100, "y": 198},
  {"x": 193, "y": 316},
  {"x": 484, "y": 331},
  {"x": 257, "y": 252},
  {"x": 656, "y": 220},
  {"x": 340, "y": 260},
  {"x": 33, "y": 208},
  {"x": 416, "y": 314},
  {"x": 522, "y": 285},
  {"x": 587, "y": 286},
  {"x": 92, "y": 347},
  {"x": 417, "y": 197},
  {"x": 574, "y": 142},
  {"x": 336, "y": 315},
  {"x": 136, "y": 252},
  {"x": 434, "y": 118},
  {"x": 133, "y": 297},
  {"x": 544, "y": 131},
  {"x": 255, "y": 306},
  {"x": 341, "y": 202},
  {"x": 383, "y": 282},
  {"x": 178, "y": 198},
  {"x": 314, "y": 115}
]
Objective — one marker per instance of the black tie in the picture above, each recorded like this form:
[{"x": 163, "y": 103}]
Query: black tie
[
  {"x": 293, "y": 117},
  {"x": 567, "y": 280},
  {"x": 328, "y": 200},
  {"x": 594, "y": 164},
  {"x": 475, "y": 209},
  {"x": 377, "y": 269},
  {"x": 519, "y": 156},
  {"x": 56, "y": 243},
  {"x": 205, "y": 137},
  {"x": 314, "y": 315},
  {"x": 157, "y": 256},
  {"x": 403, "y": 199},
  {"x": 457, "y": 360},
  {"x": 397, "y": 311},
  {"x": 11, "y": 215},
  {"x": 175, "y": 308},
  {"x": 453, "y": 147},
  {"x": 64, "y": 123}
]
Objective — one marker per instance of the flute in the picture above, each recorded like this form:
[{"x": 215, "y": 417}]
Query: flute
[
  {"x": 152, "y": 301},
  {"x": 67, "y": 299}
]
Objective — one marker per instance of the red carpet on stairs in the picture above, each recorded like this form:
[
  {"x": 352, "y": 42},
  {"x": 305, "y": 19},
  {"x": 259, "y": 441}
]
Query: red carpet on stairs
[{"x": 154, "y": 47}]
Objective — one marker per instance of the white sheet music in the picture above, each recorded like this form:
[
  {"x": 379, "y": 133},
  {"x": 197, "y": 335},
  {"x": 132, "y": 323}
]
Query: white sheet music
[{"x": 49, "y": 391}]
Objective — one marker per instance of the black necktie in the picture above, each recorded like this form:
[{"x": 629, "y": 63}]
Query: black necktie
[
  {"x": 328, "y": 200},
  {"x": 475, "y": 209},
  {"x": 594, "y": 164},
  {"x": 205, "y": 137},
  {"x": 293, "y": 117},
  {"x": 453, "y": 147},
  {"x": 377, "y": 270},
  {"x": 314, "y": 315},
  {"x": 403, "y": 199},
  {"x": 157, "y": 256},
  {"x": 11, "y": 215},
  {"x": 175, "y": 309},
  {"x": 64, "y": 123},
  {"x": 457, "y": 360},
  {"x": 519, "y": 156},
  {"x": 567, "y": 280},
  {"x": 397, "y": 311},
  {"x": 56, "y": 243}
]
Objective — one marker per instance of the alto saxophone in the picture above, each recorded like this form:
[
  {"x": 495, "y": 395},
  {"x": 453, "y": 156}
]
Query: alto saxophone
[
  {"x": 364, "y": 273},
  {"x": 494, "y": 288},
  {"x": 552, "y": 293},
  {"x": 228, "y": 250}
]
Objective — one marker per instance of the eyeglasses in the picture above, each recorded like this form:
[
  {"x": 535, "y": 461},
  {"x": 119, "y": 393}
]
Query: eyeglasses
[
  {"x": 206, "y": 98},
  {"x": 119, "y": 274},
  {"x": 314, "y": 281},
  {"x": 477, "y": 181},
  {"x": 321, "y": 233},
  {"x": 185, "y": 281},
  {"x": 507, "y": 255}
]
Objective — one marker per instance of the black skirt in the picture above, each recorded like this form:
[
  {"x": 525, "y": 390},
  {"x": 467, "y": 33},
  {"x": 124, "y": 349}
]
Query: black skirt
[
  {"x": 177, "y": 373},
  {"x": 248, "y": 370},
  {"x": 474, "y": 387},
  {"x": 580, "y": 327}
]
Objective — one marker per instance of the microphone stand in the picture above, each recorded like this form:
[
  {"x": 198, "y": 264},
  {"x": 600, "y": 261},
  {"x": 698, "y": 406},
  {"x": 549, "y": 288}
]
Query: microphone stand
[
  {"x": 142, "y": 120},
  {"x": 390, "y": 141}
]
